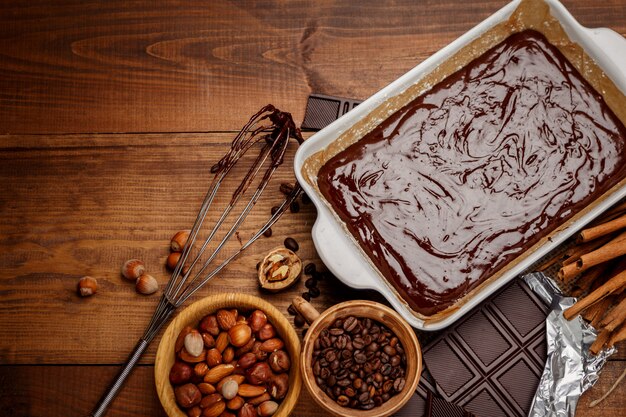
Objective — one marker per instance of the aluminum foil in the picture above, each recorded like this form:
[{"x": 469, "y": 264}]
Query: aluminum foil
[{"x": 570, "y": 368}]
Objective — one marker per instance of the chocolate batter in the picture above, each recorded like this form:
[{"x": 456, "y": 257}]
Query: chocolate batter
[{"x": 467, "y": 176}]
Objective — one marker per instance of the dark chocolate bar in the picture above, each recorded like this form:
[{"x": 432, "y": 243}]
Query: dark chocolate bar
[
  {"x": 490, "y": 363},
  {"x": 322, "y": 110}
]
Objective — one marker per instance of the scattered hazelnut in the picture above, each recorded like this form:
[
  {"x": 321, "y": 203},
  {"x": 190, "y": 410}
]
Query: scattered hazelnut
[
  {"x": 248, "y": 410},
  {"x": 178, "y": 240},
  {"x": 172, "y": 260},
  {"x": 87, "y": 286},
  {"x": 194, "y": 343},
  {"x": 146, "y": 284},
  {"x": 133, "y": 269}
]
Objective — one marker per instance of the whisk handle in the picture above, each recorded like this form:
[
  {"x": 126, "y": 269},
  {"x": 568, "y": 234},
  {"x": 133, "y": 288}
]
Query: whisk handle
[{"x": 119, "y": 380}]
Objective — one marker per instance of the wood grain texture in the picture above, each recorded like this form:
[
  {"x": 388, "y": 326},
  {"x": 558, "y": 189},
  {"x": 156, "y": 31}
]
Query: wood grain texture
[
  {"x": 140, "y": 66},
  {"x": 75, "y": 202}
]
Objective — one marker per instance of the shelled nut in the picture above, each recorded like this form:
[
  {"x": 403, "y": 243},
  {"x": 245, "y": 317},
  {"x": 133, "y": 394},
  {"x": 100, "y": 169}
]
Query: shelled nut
[{"x": 280, "y": 269}]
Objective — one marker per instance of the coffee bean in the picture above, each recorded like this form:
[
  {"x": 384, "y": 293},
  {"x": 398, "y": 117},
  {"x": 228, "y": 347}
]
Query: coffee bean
[
  {"x": 291, "y": 244},
  {"x": 309, "y": 269},
  {"x": 216, "y": 167},
  {"x": 314, "y": 292},
  {"x": 306, "y": 199},
  {"x": 306, "y": 296},
  {"x": 349, "y": 392},
  {"x": 387, "y": 386},
  {"x": 389, "y": 350},
  {"x": 360, "y": 358},
  {"x": 298, "y": 321},
  {"x": 294, "y": 207},
  {"x": 343, "y": 400},
  {"x": 286, "y": 188},
  {"x": 324, "y": 373},
  {"x": 349, "y": 323},
  {"x": 310, "y": 283},
  {"x": 330, "y": 355},
  {"x": 364, "y": 397},
  {"x": 268, "y": 232},
  {"x": 344, "y": 382},
  {"x": 331, "y": 380},
  {"x": 336, "y": 331},
  {"x": 292, "y": 310},
  {"x": 378, "y": 401},
  {"x": 336, "y": 391},
  {"x": 386, "y": 369},
  {"x": 358, "y": 343},
  {"x": 372, "y": 347},
  {"x": 275, "y": 210},
  {"x": 398, "y": 384},
  {"x": 368, "y": 406},
  {"x": 395, "y": 360}
]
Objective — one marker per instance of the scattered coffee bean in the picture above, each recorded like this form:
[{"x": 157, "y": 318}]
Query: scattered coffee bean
[
  {"x": 292, "y": 310},
  {"x": 298, "y": 321},
  {"x": 353, "y": 365},
  {"x": 310, "y": 283},
  {"x": 306, "y": 199},
  {"x": 286, "y": 188},
  {"x": 294, "y": 207},
  {"x": 275, "y": 210},
  {"x": 306, "y": 296},
  {"x": 268, "y": 232},
  {"x": 215, "y": 168},
  {"x": 309, "y": 269},
  {"x": 314, "y": 292},
  {"x": 291, "y": 244}
]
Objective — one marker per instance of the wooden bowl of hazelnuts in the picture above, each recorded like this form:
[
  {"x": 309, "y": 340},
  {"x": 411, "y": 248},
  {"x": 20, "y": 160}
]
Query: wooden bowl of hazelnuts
[{"x": 229, "y": 355}]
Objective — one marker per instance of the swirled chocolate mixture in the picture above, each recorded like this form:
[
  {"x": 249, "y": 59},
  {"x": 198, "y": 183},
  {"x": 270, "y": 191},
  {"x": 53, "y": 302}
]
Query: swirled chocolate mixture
[{"x": 467, "y": 176}]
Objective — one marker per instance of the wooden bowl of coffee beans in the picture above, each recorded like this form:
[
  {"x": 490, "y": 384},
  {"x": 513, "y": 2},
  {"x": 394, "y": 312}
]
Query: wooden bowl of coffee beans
[
  {"x": 360, "y": 358},
  {"x": 228, "y": 355}
]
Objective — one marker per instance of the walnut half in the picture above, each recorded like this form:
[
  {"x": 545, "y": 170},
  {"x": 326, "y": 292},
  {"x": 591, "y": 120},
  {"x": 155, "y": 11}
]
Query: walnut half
[{"x": 280, "y": 269}]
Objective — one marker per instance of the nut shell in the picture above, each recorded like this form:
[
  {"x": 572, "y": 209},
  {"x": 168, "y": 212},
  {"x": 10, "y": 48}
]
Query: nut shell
[
  {"x": 133, "y": 269},
  {"x": 146, "y": 284},
  {"x": 177, "y": 243},
  {"x": 294, "y": 270},
  {"x": 87, "y": 286}
]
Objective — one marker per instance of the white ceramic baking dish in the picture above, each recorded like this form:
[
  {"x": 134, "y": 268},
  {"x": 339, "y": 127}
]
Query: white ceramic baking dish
[{"x": 340, "y": 252}]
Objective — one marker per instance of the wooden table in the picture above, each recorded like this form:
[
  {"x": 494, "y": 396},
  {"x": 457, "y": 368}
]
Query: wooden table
[{"x": 111, "y": 114}]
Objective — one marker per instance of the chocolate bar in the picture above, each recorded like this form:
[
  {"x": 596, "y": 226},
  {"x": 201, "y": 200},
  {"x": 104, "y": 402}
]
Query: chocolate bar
[
  {"x": 490, "y": 363},
  {"x": 322, "y": 110}
]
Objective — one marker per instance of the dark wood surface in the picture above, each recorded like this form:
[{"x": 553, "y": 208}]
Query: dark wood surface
[{"x": 111, "y": 114}]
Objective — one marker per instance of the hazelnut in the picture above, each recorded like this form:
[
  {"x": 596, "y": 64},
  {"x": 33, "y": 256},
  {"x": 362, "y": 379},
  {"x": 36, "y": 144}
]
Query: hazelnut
[
  {"x": 180, "y": 373},
  {"x": 172, "y": 260},
  {"x": 178, "y": 241},
  {"x": 279, "y": 385},
  {"x": 279, "y": 361},
  {"x": 194, "y": 343},
  {"x": 260, "y": 354},
  {"x": 271, "y": 345},
  {"x": 246, "y": 360},
  {"x": 87, "y": 286},
  {"x": 239, "y": 334},
  {"x": 247, "y": 410},
  {"x": 209, "y": 325},
  {"x": 259, "y": 373},
  {"x": 187, "y": 395},
  {"x": 245, "y": 348},
  {"x": 194, "y": 412},
  {"x": 213, "y": 357},
  {"x": 257, "y": 320},
  {"x": 146, "y": 284},
  {"x": 230, "y": 389},
  {"x": 267, "y": 408},
  {"x": 133, "y": 269},
  {"x": 267, "y": 331}
]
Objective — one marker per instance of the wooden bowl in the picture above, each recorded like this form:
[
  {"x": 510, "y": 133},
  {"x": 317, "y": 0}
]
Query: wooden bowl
[
  {"x": 360, "y": 309},
  {"x": 192, "y": 315}
]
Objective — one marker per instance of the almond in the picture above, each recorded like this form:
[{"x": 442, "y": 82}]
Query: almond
[
  {"x": 236, "y": 403},
  {"x": 213, "y": 357},
  {"x": 261, "y": 398},
  {"x": 187, "y": 357},
  {"x": 211, "y": 399},
  {"x": 180, "y": 340},
  {"x": 272, "y": 345},
  {"x": 226, "y": 319},
  {"x": 246, "y": 360},
  {"x": 221, "y": 342},
  {"x": 206, "y": 388},
  {"x": 217, "y": 373},
  {"x": 237, "y": 378},
  {"x": 247, "y": 390},
  {"x": 214, "y": 410},
  {"x": 228, "y": 355}
]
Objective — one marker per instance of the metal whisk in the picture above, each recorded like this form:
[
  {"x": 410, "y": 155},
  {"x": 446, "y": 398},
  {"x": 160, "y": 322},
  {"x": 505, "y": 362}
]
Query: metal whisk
[{"x": 269, "y": 126}]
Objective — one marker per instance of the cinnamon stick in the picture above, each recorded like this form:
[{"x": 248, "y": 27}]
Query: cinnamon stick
[
  {"x": 612, "y": 286},
  {"x": 587, "y": 279},
  {"x": 617, "y": 336},
  {"x": 595, "y": 314},
  {"x": 597, "y": 344},
  {"x": 615, "y": 317},
  {"x": 577, "y": 251},
  {"x": 603, "y": 229}
]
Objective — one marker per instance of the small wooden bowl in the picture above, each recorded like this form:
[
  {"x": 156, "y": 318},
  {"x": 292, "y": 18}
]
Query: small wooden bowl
[
  {"x": 191, "y": 316},
  {"x": 360, "y": 309}
]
